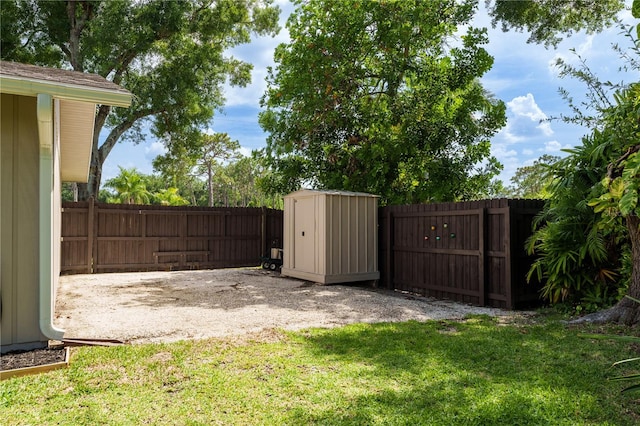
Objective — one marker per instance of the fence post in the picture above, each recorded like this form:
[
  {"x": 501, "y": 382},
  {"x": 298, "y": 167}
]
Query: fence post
[
  {"x": 507, "y": 248},
  {"x": 482, "y": 231},
  {"x": 90, "y": 234},
  {"x": 389, "y": 259},
  {"x": 263, "y": 232}
]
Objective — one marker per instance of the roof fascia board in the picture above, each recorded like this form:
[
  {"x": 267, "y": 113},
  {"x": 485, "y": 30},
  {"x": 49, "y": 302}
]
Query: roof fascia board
[{"x": 28, "y": 87}]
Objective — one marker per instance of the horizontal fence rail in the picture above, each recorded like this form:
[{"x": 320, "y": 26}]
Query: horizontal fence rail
[{"x": 100, "y": 237}]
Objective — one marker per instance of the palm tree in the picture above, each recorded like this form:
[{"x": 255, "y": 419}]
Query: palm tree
[{"x": 130, "y": 187}]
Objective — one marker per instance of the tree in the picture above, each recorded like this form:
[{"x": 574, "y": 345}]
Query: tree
[
  {"x": 176, "y": 170},
  {"x": 170, "y": 197},
  {"x": 169, "y": 54},
  {"x": 371, "y": 96},
  {"x": 198, "y": 155},
  {"x": 533, "y": 181},
  {"x": 130, "y": 187},
  {"x": 603, "y": 178},
  {"x": 547, "y": 21},
  {"x": 210, "y": 151},
  {"x": 621, "y": 185}
]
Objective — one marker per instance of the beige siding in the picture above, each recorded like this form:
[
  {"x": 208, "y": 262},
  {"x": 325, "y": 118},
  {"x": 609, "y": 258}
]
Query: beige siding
[
  {"x": 330, "y": 236},
  {"x": 19, "y": 155}
]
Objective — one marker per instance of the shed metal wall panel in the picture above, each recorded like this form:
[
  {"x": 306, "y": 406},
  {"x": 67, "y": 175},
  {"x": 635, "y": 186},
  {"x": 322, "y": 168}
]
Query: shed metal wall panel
[{"x": 330, "y": 236}]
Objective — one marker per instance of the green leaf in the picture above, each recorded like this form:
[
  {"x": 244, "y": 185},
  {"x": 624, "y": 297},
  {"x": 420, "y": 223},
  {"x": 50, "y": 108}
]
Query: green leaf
[{"x": 628, "y": 202}]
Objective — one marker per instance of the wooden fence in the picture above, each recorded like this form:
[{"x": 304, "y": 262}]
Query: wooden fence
[
  {"x": 119, "y": 238},
  {"x": 471, "y": 252}
]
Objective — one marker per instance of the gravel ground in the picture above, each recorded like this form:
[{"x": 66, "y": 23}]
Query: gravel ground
[{"x": 170, "y": 306}]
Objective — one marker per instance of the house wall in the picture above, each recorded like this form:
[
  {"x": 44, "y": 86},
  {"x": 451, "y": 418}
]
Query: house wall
[{"x": 19, "y": 183}]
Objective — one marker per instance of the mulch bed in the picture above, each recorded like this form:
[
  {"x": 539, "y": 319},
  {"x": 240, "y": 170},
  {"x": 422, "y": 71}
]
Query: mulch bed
[{"x": 36, "y": 357}]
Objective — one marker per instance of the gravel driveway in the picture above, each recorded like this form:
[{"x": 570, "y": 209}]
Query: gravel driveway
[{"x": 170, "y": 306}]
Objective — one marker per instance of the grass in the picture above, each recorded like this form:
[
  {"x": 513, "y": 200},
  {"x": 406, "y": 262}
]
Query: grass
[{"x": 475, "y": 372}]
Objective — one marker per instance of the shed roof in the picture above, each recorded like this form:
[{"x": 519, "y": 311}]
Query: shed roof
[{"x": 330, "y": 192}]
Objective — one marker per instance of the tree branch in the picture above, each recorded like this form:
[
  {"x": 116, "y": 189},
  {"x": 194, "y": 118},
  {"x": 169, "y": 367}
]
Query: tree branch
[
  {"x": 119, "y": 130},
  {"x": 614, "y": 169}
]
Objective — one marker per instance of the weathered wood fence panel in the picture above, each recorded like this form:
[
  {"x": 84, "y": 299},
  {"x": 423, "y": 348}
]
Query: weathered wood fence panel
[
  {"x": 118, "y": 238},
  {"x": 471, "y": 252}
]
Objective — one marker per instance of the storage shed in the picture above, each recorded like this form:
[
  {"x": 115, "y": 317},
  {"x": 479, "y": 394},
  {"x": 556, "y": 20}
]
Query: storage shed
[
  {"x": 46, "y": 127},
  {"x": 331, "y": 236}
]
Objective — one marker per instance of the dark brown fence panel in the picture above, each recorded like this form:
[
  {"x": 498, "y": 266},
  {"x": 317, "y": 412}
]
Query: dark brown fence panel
[
  {"x": 273, "y": 229},
  {"x": 75, "y": 245},
  {"x": 439, "y": 253},
  {"x": 471, "y": 252},
  {"x": 120, "y": 238}
]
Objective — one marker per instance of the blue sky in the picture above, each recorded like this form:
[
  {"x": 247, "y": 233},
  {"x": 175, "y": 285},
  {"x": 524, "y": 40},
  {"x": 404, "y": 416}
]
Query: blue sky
[{"x": 523, "y": 76}]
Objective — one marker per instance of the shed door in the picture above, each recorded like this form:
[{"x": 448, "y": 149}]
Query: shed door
[{"x": 305, "y": 242}]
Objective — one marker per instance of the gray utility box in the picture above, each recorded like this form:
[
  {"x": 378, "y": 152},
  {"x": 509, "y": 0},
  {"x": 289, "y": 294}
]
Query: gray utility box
[{"x": 330, "y": 236}]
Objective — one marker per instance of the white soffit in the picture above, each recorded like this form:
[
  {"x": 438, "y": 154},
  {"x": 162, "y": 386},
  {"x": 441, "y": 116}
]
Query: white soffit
[{"x": 76, "y": 139}]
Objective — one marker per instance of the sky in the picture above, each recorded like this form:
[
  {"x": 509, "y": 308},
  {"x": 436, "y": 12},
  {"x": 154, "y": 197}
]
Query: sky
[{"x": 524, "y": 76}]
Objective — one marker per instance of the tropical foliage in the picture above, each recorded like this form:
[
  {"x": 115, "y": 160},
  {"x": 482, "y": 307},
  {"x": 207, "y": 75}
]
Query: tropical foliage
[
  {"x": 589, "y": 233},
  {"x": 199, "y": 154},
  {"x": 235, "y": 184},
  {"x": 130, "y": 188}
]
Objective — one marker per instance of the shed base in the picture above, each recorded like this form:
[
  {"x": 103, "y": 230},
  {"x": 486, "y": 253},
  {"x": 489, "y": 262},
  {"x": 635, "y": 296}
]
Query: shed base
[{"x": 330, "y": 279}]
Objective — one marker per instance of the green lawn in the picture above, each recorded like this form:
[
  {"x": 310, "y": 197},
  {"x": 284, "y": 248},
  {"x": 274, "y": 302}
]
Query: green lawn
[{"x": 476, "y": 372}]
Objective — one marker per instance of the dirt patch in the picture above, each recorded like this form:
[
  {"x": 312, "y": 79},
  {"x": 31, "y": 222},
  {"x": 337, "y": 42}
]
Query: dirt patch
[{"x": 171, "y": 306}]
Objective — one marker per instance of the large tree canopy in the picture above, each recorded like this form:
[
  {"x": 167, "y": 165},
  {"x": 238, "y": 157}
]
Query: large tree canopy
[
  {"x": 169, "y": 54},
  {"x": 379, "y": 97},
  {"x": 547, "y": 21}
]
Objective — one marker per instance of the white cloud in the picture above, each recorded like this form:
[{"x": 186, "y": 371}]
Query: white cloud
[
  {"x": 508, "y": 157},
  {"x": 554, "y": 146},
  {"x": 524, "y": 120},
  {"x": 527, "y": 151},
  {"x": 545, "y": 128},
  {"x": 551, "y": 146},
  {"x": 508, "y": 134},
  {"x": 526, "y": 106},
  {"x": 586, "y": 46},
  {"x": 571, "y": 56},
  {"x": 154, "y": 149}
]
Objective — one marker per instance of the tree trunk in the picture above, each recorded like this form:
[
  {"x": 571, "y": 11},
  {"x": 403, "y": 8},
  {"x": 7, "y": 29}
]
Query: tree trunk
[
  {"x": 629, "y": 309},
  {"x": 210, "y": 182},
  {"x": 626, "y": 311},
  {"x": 92, "y": 187},
  {"x": 74, "y": 188}
]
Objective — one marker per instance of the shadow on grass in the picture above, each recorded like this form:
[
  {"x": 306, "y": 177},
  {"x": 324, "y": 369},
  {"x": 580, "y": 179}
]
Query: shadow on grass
[{"x": 473, "y": 372}]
